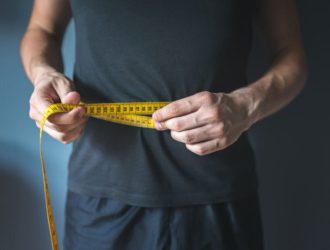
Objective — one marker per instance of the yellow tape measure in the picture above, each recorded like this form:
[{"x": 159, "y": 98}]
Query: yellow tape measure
[{"x": 128, "y": 113}]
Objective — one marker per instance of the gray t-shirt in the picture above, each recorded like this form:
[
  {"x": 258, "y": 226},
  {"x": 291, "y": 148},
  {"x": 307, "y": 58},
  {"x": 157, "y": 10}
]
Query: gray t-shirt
[{"x": 153, "y": 51}]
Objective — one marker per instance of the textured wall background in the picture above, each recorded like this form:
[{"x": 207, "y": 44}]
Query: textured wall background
[{"x": 291, "y": 146}]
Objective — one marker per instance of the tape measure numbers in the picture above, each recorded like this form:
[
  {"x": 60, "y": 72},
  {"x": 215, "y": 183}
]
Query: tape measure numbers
[{"x": 127, "y": 113}]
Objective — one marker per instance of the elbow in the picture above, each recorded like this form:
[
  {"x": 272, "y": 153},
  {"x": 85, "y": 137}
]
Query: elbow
[
  {"x": 22, "y": 49},
  {"x": 299, "y": 68},
  {"x": 22, "y": 44}
]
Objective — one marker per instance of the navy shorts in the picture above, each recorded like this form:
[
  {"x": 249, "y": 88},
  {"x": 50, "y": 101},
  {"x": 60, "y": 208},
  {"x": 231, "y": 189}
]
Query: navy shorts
[{"x": 106, "y": 224}]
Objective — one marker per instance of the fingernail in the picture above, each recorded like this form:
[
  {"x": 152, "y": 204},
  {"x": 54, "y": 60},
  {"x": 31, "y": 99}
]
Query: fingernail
[
  {"x": 154, "y": 116},
  {"x": 158, "y": 125}
]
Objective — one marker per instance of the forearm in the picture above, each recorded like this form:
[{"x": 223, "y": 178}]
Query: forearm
[
  {"x": 41, "y": 53},
  {"x": 276, "y": 88}
]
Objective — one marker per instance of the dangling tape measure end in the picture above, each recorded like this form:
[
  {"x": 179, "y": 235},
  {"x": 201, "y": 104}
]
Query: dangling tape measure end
[
  {"x": 132, "y": 114},
  {"x": 50, "y": 220}
]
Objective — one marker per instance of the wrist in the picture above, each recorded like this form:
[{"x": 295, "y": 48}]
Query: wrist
[
  {"x": 40, "y": 72},
  {"x": 247, "y": 103}
]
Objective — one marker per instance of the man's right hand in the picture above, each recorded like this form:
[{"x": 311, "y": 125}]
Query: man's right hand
[{"x": 54, "y": 87}]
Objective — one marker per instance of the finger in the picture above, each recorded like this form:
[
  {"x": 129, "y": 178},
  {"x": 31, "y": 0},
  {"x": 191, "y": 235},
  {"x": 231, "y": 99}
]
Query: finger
[
  {"x": 200, "y": 134},
  {"x": 65, "y": 128},
  {"x": 42, "y": 100},
  {"x": 68, "y": 118},
  {"x": 193, "y": 120},
  {"x": 208, "y": 147},
  {"x": 73, "y": 116},
  {"x": 67, "y": 93},
  {"x": 177, "y": 108},
  {"x": 34, "y": 114},
  {"x": 71, "y": 97},
  {"x": 180, "y": 123},
  {"x": 63, "y": 137}
]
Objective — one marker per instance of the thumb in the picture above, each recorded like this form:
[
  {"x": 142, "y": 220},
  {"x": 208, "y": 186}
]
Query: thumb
[
  {"x": 65, "y": 90},
  {"x": 72, "y": 97}
]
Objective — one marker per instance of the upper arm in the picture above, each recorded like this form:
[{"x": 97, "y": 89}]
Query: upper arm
[
  {"x": 52, "y": 16},
  {"x": 278, "y": 20}
]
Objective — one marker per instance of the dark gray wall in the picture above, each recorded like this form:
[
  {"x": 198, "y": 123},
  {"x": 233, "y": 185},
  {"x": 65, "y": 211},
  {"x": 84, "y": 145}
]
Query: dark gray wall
[{"x": 291, "y": 145}]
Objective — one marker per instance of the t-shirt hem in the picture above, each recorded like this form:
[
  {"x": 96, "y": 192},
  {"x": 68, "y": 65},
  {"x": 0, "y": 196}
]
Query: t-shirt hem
[{"x": 162, "y": 200}]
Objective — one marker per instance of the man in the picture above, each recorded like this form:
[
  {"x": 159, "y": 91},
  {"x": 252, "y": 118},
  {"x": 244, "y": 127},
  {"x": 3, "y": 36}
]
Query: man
[{"x": 191, "y": 182}]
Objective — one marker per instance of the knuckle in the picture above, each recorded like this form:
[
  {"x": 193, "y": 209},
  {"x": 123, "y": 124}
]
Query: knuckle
[
  {"x": 36, "y": 92},
  {"x": 218, "y": 144},
  {"x": 176, "y": 126},
  {"x": 173, "y": 109},
  {"x": 190, "y": 102},
  {"x": 225, "y": 140},
  {"x": 214, "y": 114},
  {"x": 31, "y": 114},
  {"x": 204, "y": 95},
  {"x": 208, "y": 97},
  {"x": 61, "y": 81},
  {"x": 221, "y": 128},
  {"x": 188, "y": 138},
  {"x": 63, "y": 137},
  {"x": 196, "y": 120},
  {"x": 220, "y": 96},
  {"x": 195, "y": 149},
  {"x": 173, "y": 134},
  {"x": 199, "y": 150}
]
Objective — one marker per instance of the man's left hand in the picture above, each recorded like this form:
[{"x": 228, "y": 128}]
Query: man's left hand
[{"x": 206, "y": 122}]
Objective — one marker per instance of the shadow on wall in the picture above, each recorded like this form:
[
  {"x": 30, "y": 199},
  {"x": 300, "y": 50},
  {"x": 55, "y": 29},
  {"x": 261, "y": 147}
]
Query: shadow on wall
[{"x": 22, "y": 213}]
